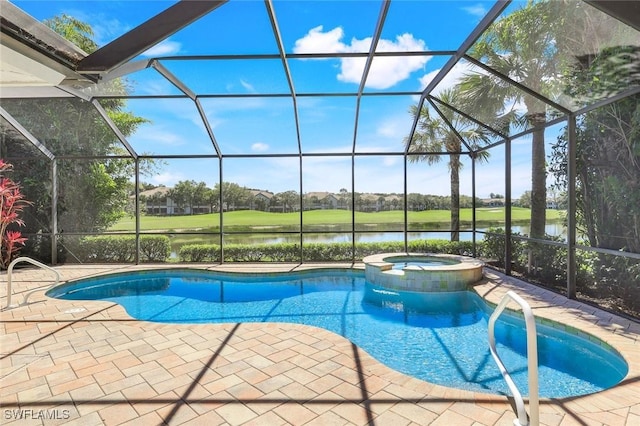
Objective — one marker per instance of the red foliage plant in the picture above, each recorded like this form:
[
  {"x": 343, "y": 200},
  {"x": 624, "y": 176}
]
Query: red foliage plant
[{"x": 12, "y": 203}]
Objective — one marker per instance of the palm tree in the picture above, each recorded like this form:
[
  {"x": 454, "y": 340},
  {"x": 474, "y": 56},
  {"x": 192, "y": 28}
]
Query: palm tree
[
  {"x": 520, "y": 46},
  {"x": 434, "y": 134}
]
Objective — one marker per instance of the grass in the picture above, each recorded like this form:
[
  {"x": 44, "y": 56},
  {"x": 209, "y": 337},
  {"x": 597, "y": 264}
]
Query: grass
[{"x": 252, "y": 219}]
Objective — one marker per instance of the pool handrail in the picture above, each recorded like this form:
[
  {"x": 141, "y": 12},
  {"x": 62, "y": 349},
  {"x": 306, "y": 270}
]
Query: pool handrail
[
  {"x": 532, "y": 361},
  {"x": 35, "y": 263}
]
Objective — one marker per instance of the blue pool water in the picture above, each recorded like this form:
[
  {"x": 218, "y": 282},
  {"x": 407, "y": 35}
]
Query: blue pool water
[
  {"x": 441, "y": 338},
  {"x": 400, "y": 262},
  {"x": 402, "y": 265}
]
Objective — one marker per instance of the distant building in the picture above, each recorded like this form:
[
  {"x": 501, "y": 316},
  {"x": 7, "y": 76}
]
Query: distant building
[
  {"x": 493, "y": 202},
  {"x": 260, "y": 200},
  {"x": 156, "y": 201},
  {"x": 321, "y": 200}
]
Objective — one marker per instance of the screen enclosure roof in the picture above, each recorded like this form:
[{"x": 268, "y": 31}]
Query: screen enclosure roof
[{"x": 271, "y": 78}]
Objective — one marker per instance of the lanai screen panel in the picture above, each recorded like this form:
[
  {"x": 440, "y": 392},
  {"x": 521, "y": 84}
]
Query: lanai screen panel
[
  {"x": 91, "y": 194},
  {"x": 224, "y": 77},
  {"x": 398, "y": 71},
  {"x": 569, "y": 52},
  {"x": 384, "y": 123},
  {"x": 379, "y": 185},
  {"x": 327, "y": 123},
  {"x": 252, "y": 125},
  {"x": 66, "y": 126},
  {"x": 251, "y": 35},
  {"x": 322, "y": 75},
  {"x": 31, "y": 169},
  {"x": 145, "y": 81},
  {"x": 170, "y": 126},
  {"x": 427, "y": 21},
  {"x": 14, "y": 145},
  {"x": 493, "y": 100},
  {"x": 303, "y": 31}
]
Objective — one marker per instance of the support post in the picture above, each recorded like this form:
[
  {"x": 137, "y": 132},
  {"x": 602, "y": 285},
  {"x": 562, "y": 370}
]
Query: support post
[
  {"x": 571, "y": 208},
  {"x": 54, "y": 211},
  {"x": 507, "y": 208},
  {"x": 136, "y": 206},
  {"x": 474, "y": 155}
]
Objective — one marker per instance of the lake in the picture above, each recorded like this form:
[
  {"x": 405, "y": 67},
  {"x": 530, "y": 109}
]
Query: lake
[{"x": 555, "y": 229}]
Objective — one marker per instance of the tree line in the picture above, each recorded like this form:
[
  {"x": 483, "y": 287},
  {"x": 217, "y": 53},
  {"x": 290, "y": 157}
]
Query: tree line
[{"x": 196, "y": 197}]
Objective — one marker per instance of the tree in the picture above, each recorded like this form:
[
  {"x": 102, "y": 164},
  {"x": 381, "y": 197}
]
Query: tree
[
  {"x": 344, "y": 199},
  {"x": 607, "y": 175},
  {"x": 234, "y": 195},
  {"x": 77, "y": 32},
  {"x": 92, "y": 193},
  {"x": 183, "y": 194},
  {"x": 290, "y": 200},
  {"x": 525, "y": 199},
  {"x": 435, "y": 135},
  {"x": 199, "y": 195},
  {"x": 210, "y": 197},
  {"x": 521, "y": 46},
  {"x": 607, "y": 139}
]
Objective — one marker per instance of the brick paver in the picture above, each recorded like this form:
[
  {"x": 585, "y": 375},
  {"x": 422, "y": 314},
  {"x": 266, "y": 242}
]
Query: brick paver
[{"x": 89, "y": 363}]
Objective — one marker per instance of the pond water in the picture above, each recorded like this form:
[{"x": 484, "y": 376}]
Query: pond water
[{"x": 555, "y": 229}]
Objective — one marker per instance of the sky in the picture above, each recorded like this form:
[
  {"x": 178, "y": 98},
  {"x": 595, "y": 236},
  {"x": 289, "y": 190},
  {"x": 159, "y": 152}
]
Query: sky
[{"x": 259, "y": 126}]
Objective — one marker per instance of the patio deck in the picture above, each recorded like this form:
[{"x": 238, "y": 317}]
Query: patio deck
[{"x": 89, "y": 363}]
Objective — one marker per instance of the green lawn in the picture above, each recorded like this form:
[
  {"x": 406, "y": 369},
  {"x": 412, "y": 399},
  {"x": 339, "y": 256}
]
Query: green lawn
[{"x": 257, "y": 219}]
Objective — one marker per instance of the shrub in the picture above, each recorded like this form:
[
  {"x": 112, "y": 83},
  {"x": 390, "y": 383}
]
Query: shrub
[
  {"x": 493, "y": 247},
  {"x": 12, "y": 203},
  {"x": 546, "y": 263},
  {"x": 462, "y": 248},
  {"x": 199, "y": 253},
  {"x": 154, "y": 248},
  {"x": 122, "y": 248},
  {"x": 315, "y": 252}
]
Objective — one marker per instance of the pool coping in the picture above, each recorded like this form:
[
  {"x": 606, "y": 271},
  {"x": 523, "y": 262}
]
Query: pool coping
[
  {"x": 617, "y": 405},
  {"x": 461, "y": 262}
]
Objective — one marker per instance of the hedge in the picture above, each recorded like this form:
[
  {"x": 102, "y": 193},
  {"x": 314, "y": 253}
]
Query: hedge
[
  {"x": 315, "y": 252},
  {"x": 122, "y": 249}
]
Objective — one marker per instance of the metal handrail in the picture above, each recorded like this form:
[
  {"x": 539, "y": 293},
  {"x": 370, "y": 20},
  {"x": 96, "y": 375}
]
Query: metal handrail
[
  {"x": 33, "y": 262},
  {"x": 532, "y": 361}
]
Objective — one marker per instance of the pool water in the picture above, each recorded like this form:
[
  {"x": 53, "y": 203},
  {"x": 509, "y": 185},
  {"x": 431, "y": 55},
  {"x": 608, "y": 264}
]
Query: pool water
[
  {"x": 440, "y": 338},
  {"x": 401, "y": 265}
]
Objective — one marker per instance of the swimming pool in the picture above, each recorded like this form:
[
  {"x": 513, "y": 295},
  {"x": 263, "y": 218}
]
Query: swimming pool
[{"x": 440, "y": 338}]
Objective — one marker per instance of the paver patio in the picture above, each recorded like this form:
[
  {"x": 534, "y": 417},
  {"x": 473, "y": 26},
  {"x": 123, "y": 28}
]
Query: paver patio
[{"x": 89, "y": 363}]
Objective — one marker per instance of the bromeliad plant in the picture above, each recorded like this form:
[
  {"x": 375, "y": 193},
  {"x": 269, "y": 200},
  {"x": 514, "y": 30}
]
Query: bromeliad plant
[{"x": 12, "y": 203}]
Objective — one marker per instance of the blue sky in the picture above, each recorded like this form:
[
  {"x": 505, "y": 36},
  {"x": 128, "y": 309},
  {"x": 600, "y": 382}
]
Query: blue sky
[{"x": 259, "y": 126}]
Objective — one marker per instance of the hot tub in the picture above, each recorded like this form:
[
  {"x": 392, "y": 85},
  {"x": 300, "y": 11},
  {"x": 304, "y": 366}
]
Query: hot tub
[{"x": 425, "y": 272}]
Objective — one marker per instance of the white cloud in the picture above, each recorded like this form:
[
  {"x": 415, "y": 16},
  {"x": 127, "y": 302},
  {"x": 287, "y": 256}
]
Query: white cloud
[
  {"x": 318, "y": 41},
  {"x": 168, "y": 179},
  {"x": 385, "y": 72},
  {"x": 164, "y": 48},
  {"x": 477, "y": 10},
  {"x": 249, "y": 87},
  {"x": 391, "y": 160},
  {"x": 393, "y": 127},
  {"x": 158, "y": 135},
  {"x": 259, "y": 147}
]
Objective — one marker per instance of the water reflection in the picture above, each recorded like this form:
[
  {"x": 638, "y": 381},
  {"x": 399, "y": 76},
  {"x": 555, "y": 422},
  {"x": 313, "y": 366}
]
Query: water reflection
[{"x": 554, "y": 229}]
